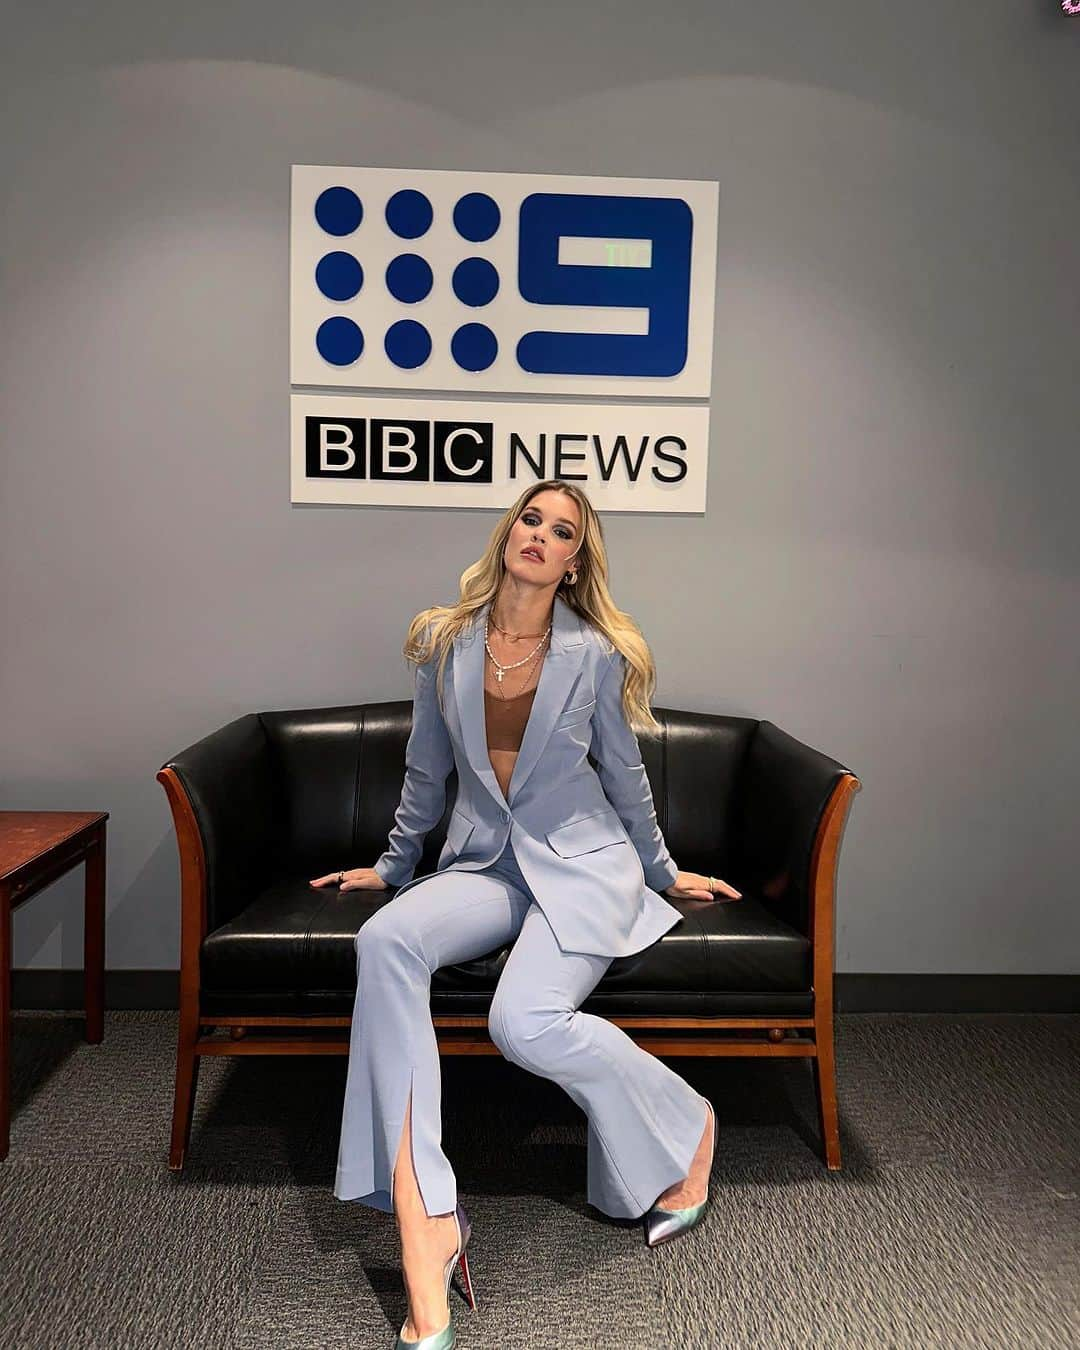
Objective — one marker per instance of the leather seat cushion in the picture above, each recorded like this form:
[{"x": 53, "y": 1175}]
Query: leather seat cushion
[{"x": 292, "y": 948}]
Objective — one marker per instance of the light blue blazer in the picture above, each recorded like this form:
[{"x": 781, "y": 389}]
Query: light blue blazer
[{"x": 587, "y": 842}]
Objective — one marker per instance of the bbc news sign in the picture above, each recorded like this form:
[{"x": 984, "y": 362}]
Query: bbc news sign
[
  {"x": 421, "y": 282},
  {"x": 394, "y": 452}
]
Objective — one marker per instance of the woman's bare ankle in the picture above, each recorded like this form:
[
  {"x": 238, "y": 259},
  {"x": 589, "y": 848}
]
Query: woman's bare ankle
[
  {"x": 434, "y": 1231},
  {"x": 427, "y": 1243},
  {"x": 690, "y": 1189}
]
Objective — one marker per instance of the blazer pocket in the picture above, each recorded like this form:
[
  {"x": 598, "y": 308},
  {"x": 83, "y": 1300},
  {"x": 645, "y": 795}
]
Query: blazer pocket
[
  {"x": 586, "y": 834},
  {"x": 458, "y": 829},
  {"x": 570, "y": 717}
]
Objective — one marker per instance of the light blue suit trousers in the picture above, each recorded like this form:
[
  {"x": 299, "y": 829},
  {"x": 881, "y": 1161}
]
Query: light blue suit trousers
[{"x": 644, "y": 1121}]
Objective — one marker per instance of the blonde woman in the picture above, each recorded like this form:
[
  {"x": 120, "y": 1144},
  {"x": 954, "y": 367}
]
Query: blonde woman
[{"x": 533, "y": 670}]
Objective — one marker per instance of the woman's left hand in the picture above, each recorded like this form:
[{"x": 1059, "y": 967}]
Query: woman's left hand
[{"x": 693, "y": 886}]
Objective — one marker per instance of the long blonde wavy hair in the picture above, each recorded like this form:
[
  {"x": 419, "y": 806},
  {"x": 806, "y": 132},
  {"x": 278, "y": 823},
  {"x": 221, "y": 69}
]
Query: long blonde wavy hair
[{"x": 434, "y": 629}]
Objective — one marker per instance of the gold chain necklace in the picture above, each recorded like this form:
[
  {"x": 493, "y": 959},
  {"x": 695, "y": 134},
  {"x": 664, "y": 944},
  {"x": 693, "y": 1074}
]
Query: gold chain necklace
[{"x": 515, "y": 637}]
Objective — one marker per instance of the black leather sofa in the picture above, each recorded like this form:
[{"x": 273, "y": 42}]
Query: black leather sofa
[{"x": 273, "y": 799}]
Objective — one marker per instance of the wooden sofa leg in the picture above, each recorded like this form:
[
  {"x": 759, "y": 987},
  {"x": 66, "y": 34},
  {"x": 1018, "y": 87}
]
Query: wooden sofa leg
[
  {"x": 825, "y": 1086},
  {"x": 187, "y": 1080}
]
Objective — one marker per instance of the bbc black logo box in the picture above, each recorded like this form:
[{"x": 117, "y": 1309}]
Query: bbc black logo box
[{"x": 398, "y": 449}]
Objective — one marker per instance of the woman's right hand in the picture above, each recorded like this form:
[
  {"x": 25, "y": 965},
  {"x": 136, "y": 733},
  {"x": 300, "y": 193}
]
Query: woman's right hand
[{"x": 358, "y": 879}]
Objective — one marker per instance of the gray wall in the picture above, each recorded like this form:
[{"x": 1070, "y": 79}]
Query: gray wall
[{"x": 888, "y": 566}]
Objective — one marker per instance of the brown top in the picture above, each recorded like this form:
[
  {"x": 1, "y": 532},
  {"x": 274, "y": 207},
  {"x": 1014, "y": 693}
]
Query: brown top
[
  {"x": 505, "y": 719},
  {"x": 505, "y": 722}
]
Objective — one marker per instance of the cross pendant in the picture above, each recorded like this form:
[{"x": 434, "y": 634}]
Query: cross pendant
[{"x": 499, "y": 675}]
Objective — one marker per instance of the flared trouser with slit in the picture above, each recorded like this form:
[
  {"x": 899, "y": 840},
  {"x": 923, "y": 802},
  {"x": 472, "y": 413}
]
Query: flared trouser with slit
[{"x": 644, "y": 1121}]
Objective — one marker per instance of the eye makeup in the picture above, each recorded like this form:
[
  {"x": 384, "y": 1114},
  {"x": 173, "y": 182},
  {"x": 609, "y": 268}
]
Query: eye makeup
[{"x": 531, "y": 517}]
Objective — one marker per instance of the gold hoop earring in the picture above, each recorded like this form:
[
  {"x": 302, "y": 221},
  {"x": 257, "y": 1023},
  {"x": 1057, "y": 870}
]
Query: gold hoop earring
[{"x": 570, "y": 578}]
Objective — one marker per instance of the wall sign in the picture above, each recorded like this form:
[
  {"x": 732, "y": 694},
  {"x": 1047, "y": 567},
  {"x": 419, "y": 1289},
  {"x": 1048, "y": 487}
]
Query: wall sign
[
  {"x": 487, "y": 284},
  {"x": 428, "y": 452}
]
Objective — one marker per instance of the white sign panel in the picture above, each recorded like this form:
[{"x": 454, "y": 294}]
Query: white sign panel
[
  {"x": 424, "y": 452},
  {"x": 496, "y": 283}
]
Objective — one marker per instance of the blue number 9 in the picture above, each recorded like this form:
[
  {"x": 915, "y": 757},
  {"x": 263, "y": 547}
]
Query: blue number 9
[{"x": 662, "y": 288}]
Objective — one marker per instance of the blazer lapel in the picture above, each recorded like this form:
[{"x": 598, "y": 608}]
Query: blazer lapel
[
  {"x": 560, "y": 667},
  {"x": 468, "y": 675},
  {"x": 558, "y": 672}
]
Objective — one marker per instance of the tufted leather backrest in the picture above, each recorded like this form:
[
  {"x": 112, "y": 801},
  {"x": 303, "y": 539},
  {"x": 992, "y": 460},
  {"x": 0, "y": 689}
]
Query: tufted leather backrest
[
  {"x": 341, "y": 770},
  {"x": 694, "y": 766}
]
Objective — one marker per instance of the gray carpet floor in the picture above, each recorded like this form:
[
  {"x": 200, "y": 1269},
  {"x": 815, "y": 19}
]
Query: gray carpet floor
[{"x": 955, "y": 1220}]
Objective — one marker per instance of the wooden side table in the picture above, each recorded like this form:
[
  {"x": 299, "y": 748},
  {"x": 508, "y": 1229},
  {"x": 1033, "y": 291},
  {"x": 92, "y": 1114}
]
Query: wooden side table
[{"x": 37, "y": 847}]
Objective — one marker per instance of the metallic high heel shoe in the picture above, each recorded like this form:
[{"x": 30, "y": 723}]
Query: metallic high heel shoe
[
  {"x": 443, "y": 1339},
  {"x": 661, "y": 1225}
]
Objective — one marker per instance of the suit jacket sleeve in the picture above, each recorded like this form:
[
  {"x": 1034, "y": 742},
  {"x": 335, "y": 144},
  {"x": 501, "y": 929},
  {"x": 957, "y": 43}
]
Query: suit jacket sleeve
[
  {"x": 429, "y": 757},
  {"x": 622, "y": 775}
]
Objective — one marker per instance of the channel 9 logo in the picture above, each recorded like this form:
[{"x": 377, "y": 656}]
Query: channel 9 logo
[{"x": 436, "y": 280}]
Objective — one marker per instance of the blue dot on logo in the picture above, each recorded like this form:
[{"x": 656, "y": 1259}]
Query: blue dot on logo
[
  {"x": 408, "y": 278},
  {"x": 409, "y": 214},
  {"x": 474, "y": 346},
  {"x": 476, "y": 282},
  {"x": 339, "y": 341},
  {"x": 338, "y": 210},
  {"x": 339, "y": 276},
  {"x": 476, "y": 217},
  {"x": 407, "y": 344}
]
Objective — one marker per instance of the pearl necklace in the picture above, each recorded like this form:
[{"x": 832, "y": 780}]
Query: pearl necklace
[
  {"x": 501, "y": 670},
  {"x": 528, "y": 676}
]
